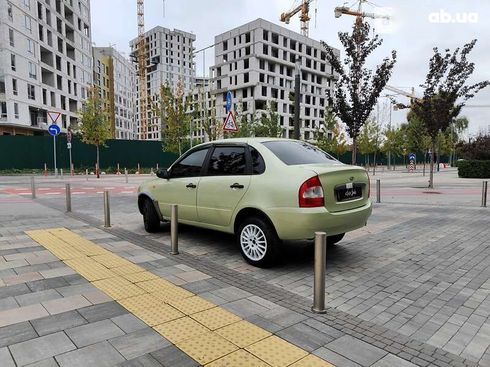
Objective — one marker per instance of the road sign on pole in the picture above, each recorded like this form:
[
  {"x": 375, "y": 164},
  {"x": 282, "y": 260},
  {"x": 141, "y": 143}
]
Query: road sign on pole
[
  {"x": 230, "y": 123},
  {"x": 229, "y": 99},
  {"x": 54, "y": 116},
  {"x": 412, "y": 157},
  {"x": 54, "y": 129}
]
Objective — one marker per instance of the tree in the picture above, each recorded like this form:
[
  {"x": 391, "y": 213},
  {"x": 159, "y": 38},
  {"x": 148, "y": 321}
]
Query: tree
[
  {"x": 172, "y": 110},
  {"x": 370, "y": 140},
  {"x": 210, "y": 123},
  {"x": 358, "y": 88},
  {"x": 269, "y": 124},
  {"x": 393, "y": 142},
  {"x": 94, "y": 125},
  {"x": 246, "y": 123},
  {"x": 330, "y": 137},
  {"x": 416, "y": 137},
  {"x": 445, "y": 92},
  {"x": 476, "y": 149}
]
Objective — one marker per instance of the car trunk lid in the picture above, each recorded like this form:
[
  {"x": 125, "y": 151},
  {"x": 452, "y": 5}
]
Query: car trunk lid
[{"x": 345, "y": 187}]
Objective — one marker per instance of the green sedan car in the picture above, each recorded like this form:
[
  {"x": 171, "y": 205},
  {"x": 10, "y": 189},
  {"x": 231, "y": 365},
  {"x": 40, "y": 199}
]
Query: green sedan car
[{"x": 263, "y": 190}]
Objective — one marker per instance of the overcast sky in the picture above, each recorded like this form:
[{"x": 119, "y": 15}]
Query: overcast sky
[{"x": 417, "y": 27}]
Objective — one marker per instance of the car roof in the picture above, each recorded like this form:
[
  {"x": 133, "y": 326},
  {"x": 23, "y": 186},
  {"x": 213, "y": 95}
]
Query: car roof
[{"x": 244, "y": 140}]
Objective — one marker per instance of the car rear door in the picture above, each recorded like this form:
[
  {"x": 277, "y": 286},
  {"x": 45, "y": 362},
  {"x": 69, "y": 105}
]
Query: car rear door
[
  {"x": 224, "y": 184},
  {"x": 181, "y": 188}
]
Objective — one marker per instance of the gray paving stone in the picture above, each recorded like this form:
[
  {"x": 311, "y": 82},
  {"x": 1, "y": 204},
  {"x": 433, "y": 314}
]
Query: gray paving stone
[
  {"x": 244, "y": 308},
  {"x": 231, "y": 293},
  {"x": 335, "y": 359},
  {"x": 304, "y": 337},
  {"x": 264, "y": 323},
  {"x": 391, "y": 360},
  {"x": 356, "y": 350},
  {"x": 283, "y": 316},
  {"x": 143, "y": 361},
  {"x": 93, "y": 333},
  {"x": 41, "y": 348},
  {"x": 102, "y": 311},
  {"x": 50, "y": 362},
  {"x": 139, "y": 343},
  {"x": 8, "y": 303},
  {"x": 16, "y": 333},
  {"x": 129, "y": 323},
  {"x": 172, "y": 356},
  {"x": 101, "y": 355},
  {"x": 37, "y": 297},
  {"x": 5, "y": 358},
  {"x": 44, "y": 284},
  {"x": 14, "y": 290},
  {"x": 54, "y": 323}
]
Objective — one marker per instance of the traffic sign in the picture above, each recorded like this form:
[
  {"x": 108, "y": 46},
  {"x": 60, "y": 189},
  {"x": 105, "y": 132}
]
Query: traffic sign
[
  {"x": 412, "y": 157},
  {"x": 54, "y": 129},
  {"x": 229, "y": 99},
  {"x": 54, "y": 116},
  {"x": 68, "y": 145},
  {"x": 230, "y": 123}
]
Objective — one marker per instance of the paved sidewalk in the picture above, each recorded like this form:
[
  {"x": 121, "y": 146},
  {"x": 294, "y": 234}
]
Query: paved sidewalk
[{"x": 398, "y": 297}]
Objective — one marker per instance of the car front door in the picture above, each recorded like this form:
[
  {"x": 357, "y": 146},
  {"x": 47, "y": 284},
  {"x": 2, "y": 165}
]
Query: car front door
[
  {"x": 181, "y": 187},
  {"x": 223, "y": 185}
]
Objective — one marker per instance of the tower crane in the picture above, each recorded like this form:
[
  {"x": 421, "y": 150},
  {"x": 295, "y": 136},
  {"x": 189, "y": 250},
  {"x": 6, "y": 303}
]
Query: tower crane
[
  {"x": 141, "y": 47},
  {"x": 304, "y": 17}
]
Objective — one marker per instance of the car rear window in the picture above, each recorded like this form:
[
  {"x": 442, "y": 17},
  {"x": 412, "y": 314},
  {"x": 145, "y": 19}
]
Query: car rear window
[{"x": 298, "y": 152}]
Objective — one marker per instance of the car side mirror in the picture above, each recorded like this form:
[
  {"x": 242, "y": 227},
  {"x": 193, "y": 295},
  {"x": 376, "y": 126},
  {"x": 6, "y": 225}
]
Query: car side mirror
[{"x": 163, "y": 173}]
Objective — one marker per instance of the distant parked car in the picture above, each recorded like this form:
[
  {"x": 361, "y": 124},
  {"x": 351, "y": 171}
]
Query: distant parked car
[{"x": 263, "y": 190}]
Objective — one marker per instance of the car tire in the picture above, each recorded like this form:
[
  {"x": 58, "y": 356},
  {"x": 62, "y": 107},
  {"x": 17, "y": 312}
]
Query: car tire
[
  {"x": 258, "y": 242},
  {"x": 150, "y": 217},
  {"x": 332, "y": 240}
]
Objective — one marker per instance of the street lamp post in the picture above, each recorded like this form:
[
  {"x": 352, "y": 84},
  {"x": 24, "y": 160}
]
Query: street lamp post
[{"x": 297, "y": 98}]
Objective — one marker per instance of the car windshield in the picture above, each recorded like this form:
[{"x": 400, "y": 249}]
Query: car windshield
[{"x": 298, "y": 152}]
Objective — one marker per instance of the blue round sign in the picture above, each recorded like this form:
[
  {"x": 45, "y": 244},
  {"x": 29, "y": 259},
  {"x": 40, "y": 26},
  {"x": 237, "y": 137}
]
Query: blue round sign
[
  {"x": 228, "y": 101},
  {"x": 54, "y": 129}
]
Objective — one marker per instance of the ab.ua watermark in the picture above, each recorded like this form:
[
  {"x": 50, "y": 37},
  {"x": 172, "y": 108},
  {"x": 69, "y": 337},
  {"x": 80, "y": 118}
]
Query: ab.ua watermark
[{"x": 443, "y": 16}]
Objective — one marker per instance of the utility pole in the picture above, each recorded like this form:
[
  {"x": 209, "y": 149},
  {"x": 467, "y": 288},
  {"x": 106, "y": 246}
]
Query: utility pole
[{"x": 297, "y": 98}]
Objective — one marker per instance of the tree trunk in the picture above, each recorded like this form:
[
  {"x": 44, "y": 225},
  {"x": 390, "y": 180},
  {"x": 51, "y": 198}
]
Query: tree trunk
[
  {"x": 98, "y": 163},
  {"x": 438, "y": 156},
  {"x": 425, "y": 160},
  {"x": 431, "y": 176},
  {"x": 374, "y": 166},
  {"x": 354, "y": 151}
]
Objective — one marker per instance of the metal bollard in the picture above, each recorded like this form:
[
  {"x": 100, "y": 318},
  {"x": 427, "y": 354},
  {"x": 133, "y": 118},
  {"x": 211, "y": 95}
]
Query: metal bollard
[
  {"x": 61, "y": 173},
  {"x": 86, "y": 174},
  {"x": 68, "y": 197},
  {"x": 174, "y": 229},
  {"x": 126, "y": 174},
  {"x": 319, "y": 276},
  {"x": 484, "y": 194},
  {"x": 378, "y": 191},
  {"x": 107, "y": 210},
  {"x": 33, "y": 187}
]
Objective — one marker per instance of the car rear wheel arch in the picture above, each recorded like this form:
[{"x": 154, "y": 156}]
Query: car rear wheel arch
[{"x": 249, "y": 213}]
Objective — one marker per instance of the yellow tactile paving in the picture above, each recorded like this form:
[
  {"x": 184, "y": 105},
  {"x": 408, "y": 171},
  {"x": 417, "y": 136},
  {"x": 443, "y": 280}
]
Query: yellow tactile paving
[
  {"x": 137, "y": 277},
  {"x": 129, "y": 269},
  {"x": 243, "y": 333},
  {"x": 155, "y": 285},
  {"x": 171, "y": 294},
  {"x": 157, "y": 315},
  {"x": 206, "y": 348},
  {"x": 118, "y": 288},
  {"x": 276, "y": 351},
  {"x": 211, "y": 335},
  {"x": 111, "y": 261},
  {"x": 312, "y": 361},
  {"x": 215, "y": 318},
  {"x": 240, "y": 358},
  {"x": 191, "y": 305},
  {"x": 137, "y": 303},
  {"x": 181, "y": 329}
]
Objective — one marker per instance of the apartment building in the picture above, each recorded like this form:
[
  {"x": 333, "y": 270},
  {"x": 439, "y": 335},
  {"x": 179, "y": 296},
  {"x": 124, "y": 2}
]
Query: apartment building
[
  {"x": 115, "y": 79},
  {"x": 169, "y": 58},
  {"x": 256, "y": 62},
  {"x": 203, "y": 110},
  {"x": 45, "y": 63}
]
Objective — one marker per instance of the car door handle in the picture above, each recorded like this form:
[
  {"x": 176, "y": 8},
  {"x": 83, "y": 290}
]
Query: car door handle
[
  {"x": 191, "y": 186},
  {"x": 237, "y": 186}
]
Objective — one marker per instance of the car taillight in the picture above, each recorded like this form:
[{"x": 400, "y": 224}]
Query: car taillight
[
  {"x": 369, "y": 185},
  {"x": 311, "y": 193}
]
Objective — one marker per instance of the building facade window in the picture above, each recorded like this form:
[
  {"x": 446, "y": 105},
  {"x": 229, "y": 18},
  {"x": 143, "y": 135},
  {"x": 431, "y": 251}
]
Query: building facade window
[
  {"x": 14, "y": 87},
  {"x": 11, "y": 37},
  {"x": 16, "y": 110},
  {"x": 27, "y": 23},
  {"x": 12, "y": 62},
  {"x": 32, "y": 70},
  {"x": 31, "y": 91}
]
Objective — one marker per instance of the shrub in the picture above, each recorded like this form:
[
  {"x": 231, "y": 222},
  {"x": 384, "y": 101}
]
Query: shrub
[
  {"x": 474, "y": 169},
  {"x": 478, "y": 149}
]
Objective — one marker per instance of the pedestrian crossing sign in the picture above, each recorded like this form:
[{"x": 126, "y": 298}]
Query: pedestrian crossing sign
[{"x": 230, "y": 123}]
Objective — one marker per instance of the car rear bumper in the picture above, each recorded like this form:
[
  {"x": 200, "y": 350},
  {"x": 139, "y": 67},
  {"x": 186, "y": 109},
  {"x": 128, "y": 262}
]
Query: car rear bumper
[{"x": 302, "y": 223}]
